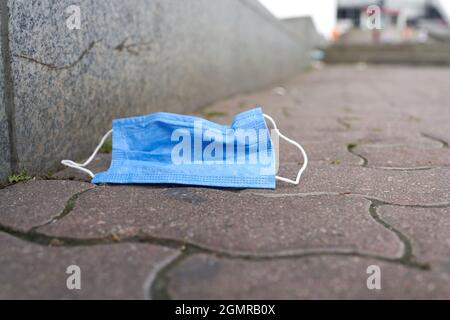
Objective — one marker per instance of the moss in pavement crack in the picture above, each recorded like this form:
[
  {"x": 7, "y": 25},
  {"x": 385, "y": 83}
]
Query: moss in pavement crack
[
  {"x": 351, "y": 148},
  {"x": 19, "y": 177}
]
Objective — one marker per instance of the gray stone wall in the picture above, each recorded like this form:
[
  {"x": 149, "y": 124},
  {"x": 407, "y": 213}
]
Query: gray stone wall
[
  {"x": 129, "y": 57},
  {"x": 305, "y": 30},
  {"x": 5, "y": 160},
  {"x": 4, "y": 139}
]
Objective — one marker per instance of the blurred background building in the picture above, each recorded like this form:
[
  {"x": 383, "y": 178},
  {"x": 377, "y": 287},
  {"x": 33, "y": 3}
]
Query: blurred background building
[{"x": 401, "y": 20}]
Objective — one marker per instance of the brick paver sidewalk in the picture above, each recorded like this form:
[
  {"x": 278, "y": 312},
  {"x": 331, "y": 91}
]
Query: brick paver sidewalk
[{"x": 376, "y": 193}]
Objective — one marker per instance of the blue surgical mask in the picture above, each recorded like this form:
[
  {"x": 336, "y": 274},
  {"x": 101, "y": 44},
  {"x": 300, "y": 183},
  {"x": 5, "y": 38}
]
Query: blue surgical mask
[{"x": 165, "y": 148}]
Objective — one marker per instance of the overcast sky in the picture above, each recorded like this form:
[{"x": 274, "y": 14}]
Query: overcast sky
[{"x": 323, "y": 11}]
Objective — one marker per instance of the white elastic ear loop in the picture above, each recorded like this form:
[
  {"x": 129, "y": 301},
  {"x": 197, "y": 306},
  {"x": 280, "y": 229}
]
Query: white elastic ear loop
[
  {"x": 305, "y": 157},
  {"x": 80, "y": 166}
]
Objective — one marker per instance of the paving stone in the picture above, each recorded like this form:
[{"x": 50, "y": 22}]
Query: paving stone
[
  {"x": 335, "y": 101},
  {"x": 229, "y": 221},
  {"x": 25, "y": 205},
  {"x": 399, "y": 187},
  {"x": 281, "y": 108},
  {"x": 427, "y": 228},
  {"x": 325, "y": 277},
  {"x": 333, "y": 148},
  {"x": 117, "y": 271},
  {"x": 319, "y": 152},
  {"x": 404, "y": 156},
  {"x": 381, "y": 138}
]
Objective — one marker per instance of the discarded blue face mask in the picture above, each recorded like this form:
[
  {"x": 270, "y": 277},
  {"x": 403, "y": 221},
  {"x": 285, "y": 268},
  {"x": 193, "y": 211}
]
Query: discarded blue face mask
[{"x": 165, "y": 148}]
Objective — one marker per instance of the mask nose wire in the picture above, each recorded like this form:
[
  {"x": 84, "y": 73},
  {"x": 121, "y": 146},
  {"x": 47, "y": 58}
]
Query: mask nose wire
[
  {"x": 305, "y": 157},
  {"x": 81, "y": 166}
]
